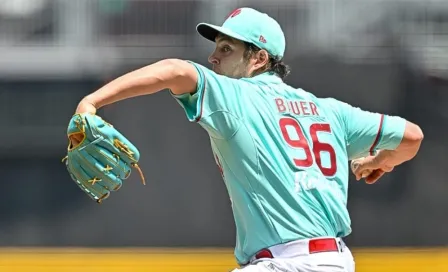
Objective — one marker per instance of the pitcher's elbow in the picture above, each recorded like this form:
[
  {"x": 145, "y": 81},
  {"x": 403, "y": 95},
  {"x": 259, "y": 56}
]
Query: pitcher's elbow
[{"x": 413, "y": 134}]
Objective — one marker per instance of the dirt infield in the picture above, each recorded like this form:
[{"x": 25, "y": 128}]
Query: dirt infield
[{"x": 198, "y": 260}]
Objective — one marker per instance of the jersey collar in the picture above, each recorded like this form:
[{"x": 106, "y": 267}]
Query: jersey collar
[{"x": 266, "y": 77}]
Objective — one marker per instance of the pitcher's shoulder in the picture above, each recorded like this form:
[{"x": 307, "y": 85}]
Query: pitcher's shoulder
[{"x": 332, "y": 103}]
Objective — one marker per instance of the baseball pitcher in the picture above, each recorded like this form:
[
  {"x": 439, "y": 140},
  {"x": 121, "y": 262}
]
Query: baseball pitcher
[{"x": 283, "y": 152}]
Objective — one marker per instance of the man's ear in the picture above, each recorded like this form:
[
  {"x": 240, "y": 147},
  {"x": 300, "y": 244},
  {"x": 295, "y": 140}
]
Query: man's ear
[{"x": 262, "y": 59}]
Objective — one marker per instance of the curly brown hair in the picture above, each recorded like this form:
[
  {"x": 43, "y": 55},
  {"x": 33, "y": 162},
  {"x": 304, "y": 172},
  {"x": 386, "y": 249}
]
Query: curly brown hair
[{"x": 275, "y": 64}]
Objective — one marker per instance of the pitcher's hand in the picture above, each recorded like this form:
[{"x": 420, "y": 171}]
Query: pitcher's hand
[{"x": 371, "y": 168}]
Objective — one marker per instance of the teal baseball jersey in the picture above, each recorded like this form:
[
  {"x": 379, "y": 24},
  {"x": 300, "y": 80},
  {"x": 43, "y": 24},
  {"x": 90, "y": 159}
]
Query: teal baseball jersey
[{"x": 283, "y": 154}]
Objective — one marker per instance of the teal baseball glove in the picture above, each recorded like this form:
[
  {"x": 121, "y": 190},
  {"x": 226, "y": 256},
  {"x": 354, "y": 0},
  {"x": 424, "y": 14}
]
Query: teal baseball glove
[{"x": 99, "y": 157}]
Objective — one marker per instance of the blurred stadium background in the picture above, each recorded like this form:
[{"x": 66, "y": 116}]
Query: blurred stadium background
[{"x": 382, "y": 55}]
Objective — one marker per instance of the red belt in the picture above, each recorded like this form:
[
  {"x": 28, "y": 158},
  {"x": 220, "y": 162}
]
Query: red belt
[
  {"x": 323, "y": 245},
  {"x": 314, "y": 246}
]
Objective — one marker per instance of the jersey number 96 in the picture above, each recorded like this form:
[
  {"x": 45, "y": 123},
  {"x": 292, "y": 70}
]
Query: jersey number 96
[{"x": 311, "y": 155}]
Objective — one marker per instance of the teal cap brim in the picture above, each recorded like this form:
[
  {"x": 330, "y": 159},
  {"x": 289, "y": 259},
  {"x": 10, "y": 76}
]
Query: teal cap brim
[{"x": 210, "y": 32}]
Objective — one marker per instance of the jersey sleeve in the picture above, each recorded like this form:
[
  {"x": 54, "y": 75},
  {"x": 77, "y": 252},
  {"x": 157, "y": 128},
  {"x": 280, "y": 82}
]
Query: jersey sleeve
[
  {"x": 368, "y": 132},
  {"x": 217, "y": 105}
]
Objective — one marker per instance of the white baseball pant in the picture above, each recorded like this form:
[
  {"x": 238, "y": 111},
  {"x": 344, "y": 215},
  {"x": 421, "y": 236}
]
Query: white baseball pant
[{"x": 298, "y": 256}]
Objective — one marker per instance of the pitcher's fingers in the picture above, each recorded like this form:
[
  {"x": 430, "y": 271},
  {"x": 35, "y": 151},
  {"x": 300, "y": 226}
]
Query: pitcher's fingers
[
  {"x": 361, "y": 173},
  {"x": 374, "y": 176}
]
